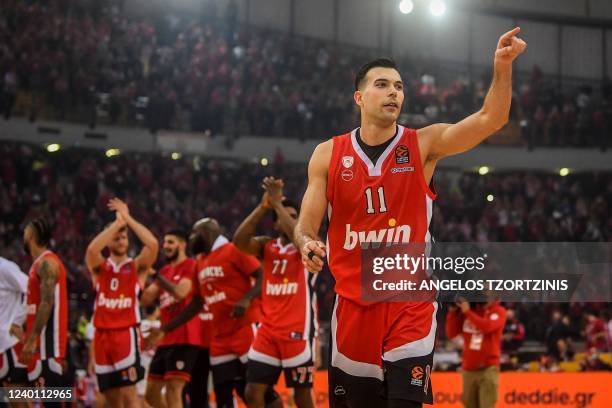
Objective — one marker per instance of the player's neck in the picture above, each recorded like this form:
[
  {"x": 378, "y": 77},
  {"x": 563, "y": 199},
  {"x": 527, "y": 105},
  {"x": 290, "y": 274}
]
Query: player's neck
[
  {"x": 117, "y": 259},
  {"x": 36, "y": 251},
  {"x": 180, "y": 258},
  {"x": 373, "y": 134}
]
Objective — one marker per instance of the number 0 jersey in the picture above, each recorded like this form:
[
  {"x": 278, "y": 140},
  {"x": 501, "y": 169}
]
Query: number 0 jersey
[
  {"x": 117, "y": 293},
  {"x": 387, "y": 201}
]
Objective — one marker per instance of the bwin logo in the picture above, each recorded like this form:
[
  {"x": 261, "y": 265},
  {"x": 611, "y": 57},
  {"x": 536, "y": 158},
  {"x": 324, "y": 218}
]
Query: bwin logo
[
  {"x": 387, "y": 236},
  {"x": 339, "y": 390}
]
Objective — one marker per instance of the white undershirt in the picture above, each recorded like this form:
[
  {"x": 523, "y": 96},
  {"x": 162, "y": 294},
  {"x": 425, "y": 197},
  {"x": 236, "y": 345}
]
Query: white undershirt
[{"x": 13, "y": 290}]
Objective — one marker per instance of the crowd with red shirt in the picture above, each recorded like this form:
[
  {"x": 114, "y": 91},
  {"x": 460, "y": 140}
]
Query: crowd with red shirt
[{"x": 90, "y": 62}]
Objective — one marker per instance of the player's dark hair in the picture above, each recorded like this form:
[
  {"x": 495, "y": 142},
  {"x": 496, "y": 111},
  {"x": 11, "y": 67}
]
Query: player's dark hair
[
  {"x": 179, "y": 233},
  {"x": 379, "y": 62},
  {"x": 286, "y": 203},
  {"x": 42, "y": 231}
]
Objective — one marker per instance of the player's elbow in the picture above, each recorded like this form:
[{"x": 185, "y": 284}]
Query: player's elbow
[{"x": 495, "y": 121}]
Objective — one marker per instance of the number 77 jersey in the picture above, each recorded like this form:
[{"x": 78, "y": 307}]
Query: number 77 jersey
[{"x": 383, "y": 202}]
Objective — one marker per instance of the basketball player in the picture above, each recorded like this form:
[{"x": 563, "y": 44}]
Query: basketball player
[
  {"x": 178, "y": 351},
  {"x": 284, "y": 339},
  {"x": 44, "y": 347},
  {"x": 13, "y": 290},
  {"x": 118, "y": 280},
  {"x": 375, "y": 181}
]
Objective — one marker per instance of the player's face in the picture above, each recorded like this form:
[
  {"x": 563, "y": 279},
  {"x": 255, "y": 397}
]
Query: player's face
[
  {"x": 173, "y": 246},
  {"x": 292, "y": 213},
  {"x": 198, "y": 242},
  {"x": 382, "y": 96},
  {"x": 119, "y": 244}
]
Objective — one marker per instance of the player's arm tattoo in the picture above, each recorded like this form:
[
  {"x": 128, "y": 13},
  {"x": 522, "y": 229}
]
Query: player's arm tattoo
[
  {"x": 188, "y": 313},
  {"x": 47, "y": 273}
]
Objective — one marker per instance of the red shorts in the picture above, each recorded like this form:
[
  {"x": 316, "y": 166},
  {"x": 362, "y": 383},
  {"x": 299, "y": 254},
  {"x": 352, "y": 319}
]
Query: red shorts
[
  {"x": 274, "y": 351},
  {"x": 117, "y": 357},
  {"x": 234, "y": 346},
  {"x": 365, "y": 336}
]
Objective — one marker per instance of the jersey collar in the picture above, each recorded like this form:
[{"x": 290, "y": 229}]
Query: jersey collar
[
  {"x": 219, "y": 242},
  {"x": 375, "y": 170}
]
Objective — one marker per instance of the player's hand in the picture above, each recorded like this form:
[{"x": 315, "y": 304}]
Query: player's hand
[
  {"x": 153, "y": 339},
  {"x": 464, "y": 306},
  {"x": 91, "y": 370},
  {"x": 119, "y": 206},
  {"x": 313, "y": 254},
  {"x": 119, "y": 219},
  {"x": 274, "y": 188},
  {"x": 240, "y": 308},
  {"x": 16, "y": 331},
  {"x": 27, "y": 353},
  {"x": 509, "y": 47}
]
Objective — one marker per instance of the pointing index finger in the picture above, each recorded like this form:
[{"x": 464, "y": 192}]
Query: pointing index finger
[{"x": 511, "y": 33}]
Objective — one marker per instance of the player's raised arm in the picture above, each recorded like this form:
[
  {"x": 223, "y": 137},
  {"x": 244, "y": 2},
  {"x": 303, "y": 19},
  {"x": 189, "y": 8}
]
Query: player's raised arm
[
  {"x": 93, "y": 255},
  {"x": 314, "y": 204},
  {"x": 148, "y": 254},
  {"x": 440, "y": 140},
  {"x": 274, "y": 188},
  {"x": 244, "y": 237}
]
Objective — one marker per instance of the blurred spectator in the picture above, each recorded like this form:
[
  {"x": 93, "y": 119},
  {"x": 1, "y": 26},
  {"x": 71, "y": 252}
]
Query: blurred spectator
[
  {"x": 558, "y": 330},
  {"x": 596, "y": 333},
  {"x": 593, "y": 362},
  {"x": 514, "y": 333},
  {"x": 564, "y": 351}
]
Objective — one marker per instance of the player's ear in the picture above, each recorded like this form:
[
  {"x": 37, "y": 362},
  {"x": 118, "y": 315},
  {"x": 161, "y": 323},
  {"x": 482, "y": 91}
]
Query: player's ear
[{"x": 358, "y": 97}]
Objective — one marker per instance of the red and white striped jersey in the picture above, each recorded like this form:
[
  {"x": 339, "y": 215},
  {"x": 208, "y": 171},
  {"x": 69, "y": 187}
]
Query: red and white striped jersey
[
  {"x": 387, "y": 201},
  {"x": 117, "y": 295},
  {"x": 287, "y": 297},
  {"x": 53, "y": 337}
]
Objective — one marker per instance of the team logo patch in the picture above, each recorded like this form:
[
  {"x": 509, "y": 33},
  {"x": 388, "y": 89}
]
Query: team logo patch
[
  {"x": 180, "y": 364},
  {"x": 347, "y": 175},
  {"x": 402, "y": 154},
  {"x": 417, "y": 376},
  {"x": 347, "y": 161},
  {"x": 339, "y": 390},
  {"x": 295, "y": 335}
]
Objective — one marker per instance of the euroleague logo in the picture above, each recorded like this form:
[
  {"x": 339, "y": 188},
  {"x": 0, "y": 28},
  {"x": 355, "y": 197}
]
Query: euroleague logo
[
  {"x": 417, "y": 376},
  {"x": 402, "y": 155}
]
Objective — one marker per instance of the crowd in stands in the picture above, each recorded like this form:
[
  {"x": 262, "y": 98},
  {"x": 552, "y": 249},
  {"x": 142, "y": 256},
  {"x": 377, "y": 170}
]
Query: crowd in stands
[
  {"x": 88, "y": 61},
  {"x": 72, "y": 187}
]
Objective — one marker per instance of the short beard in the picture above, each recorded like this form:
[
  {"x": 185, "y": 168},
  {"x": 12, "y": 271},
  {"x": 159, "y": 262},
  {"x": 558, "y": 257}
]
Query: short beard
[{"x": 173, "y": 257}]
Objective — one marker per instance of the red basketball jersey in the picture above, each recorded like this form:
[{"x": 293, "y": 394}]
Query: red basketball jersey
[
  {"x": 286, "y": 294},
  {"x": 387, "y": 201},
  {"x": 117, "y": 293},
  {"x": 205, "y": 317},
  {"x": 53, "y": 337},
  {"x": 169, "y": 307},
  {"x": 225, "y": 277}
]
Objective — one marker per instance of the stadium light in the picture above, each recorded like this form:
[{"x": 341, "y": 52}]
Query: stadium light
[
  {"x": 264, "y": 162},
  {"x": 53, "y": 147},
  {"x": 176, "y": 155},
  {"x": 564, "y": 171},
  {"x": 437, "y": 7},
  {"x": 406, "y": 6},
  {"x": 113, "y": 152},
  {"x": 490, "y": 198},
  {"x": 483, "y": 170}
]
